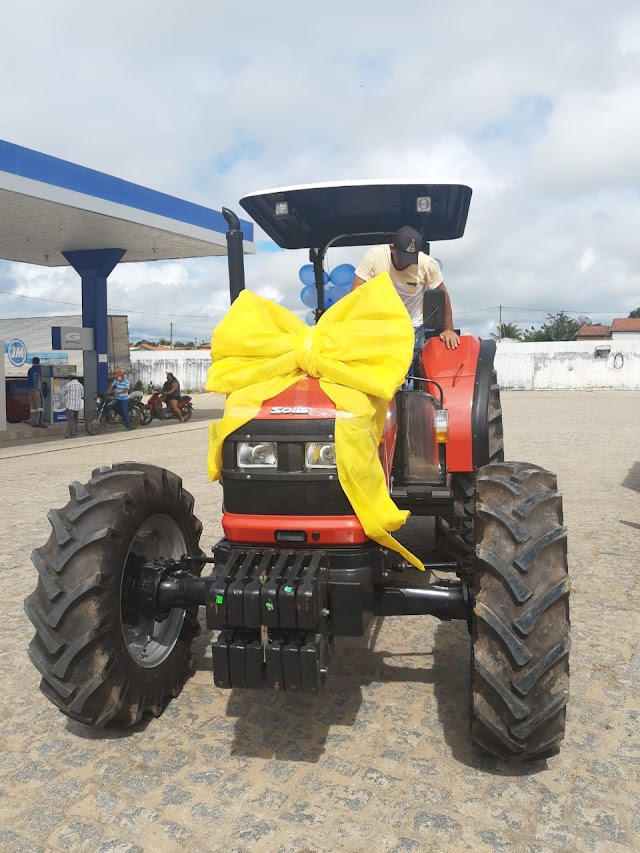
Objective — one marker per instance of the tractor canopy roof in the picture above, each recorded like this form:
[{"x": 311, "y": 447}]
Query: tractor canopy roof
[{"x": 358, "y": 213}]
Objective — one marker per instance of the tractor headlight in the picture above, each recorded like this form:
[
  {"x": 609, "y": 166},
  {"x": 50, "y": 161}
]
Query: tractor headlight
[
  {"x": 257, "y": 454},
  {"x": 320, "y": 454}
]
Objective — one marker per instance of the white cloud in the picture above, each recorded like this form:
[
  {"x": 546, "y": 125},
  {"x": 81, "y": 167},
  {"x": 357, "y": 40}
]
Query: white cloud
[
  {"x": 587, "y": 260},
  {"x": 536, "y": 106}
]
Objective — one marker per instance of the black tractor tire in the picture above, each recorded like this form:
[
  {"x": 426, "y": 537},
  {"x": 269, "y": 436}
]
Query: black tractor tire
[
  {"x": 455, "y": 537},
  {"x": 520, "y": 621},
  {"x": 94, "y": 424},
  {"x": 187, "y": 412},
  {"x": 101, "y": 661},
  {"x": 146, "y": 416}
]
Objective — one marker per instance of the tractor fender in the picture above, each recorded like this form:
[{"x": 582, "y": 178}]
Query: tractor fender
[{"x": 465, "y": 376}]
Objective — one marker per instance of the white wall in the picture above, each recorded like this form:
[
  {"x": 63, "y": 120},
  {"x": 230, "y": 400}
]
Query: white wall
[
  {"x": 570, "y": 365},
  {"x": 188, "y": 366},
  {"x": 520, "y": 366},
  {"x": 625, "y": 336}
]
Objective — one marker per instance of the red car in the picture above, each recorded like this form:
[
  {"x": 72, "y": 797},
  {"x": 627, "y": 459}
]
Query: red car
[{"x": 17, "y": 400}]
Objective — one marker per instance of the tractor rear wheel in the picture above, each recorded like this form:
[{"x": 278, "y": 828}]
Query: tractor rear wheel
[
  {"x": 455, "y": 536},
  {"x": 520, "y": 621},
  {"x": 101, "y": 660}
]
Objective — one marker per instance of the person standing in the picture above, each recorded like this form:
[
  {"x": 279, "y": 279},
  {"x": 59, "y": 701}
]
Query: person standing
[
  {"x": 36, "y": 397},
  {"x": 73, "y": 393},
  {"x": 120, "y": 389}
]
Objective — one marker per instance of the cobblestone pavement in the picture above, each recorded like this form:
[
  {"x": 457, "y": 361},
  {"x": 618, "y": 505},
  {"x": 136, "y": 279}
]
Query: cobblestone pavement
[{"x": 382, "y": 760}]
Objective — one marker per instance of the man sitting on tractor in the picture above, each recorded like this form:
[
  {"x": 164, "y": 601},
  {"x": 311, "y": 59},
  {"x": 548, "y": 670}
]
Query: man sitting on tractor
[{"x": 411, "y": 271}]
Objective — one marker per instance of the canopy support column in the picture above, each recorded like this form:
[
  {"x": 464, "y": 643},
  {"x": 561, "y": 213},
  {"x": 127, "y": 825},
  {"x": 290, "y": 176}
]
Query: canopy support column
[{"x": 94, "y": 267}]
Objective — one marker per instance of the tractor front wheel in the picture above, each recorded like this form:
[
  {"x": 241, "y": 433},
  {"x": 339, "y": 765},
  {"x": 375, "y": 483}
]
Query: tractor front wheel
[
  {"x": 102, "y": 661},
  {"x": 520, "y": 621}
]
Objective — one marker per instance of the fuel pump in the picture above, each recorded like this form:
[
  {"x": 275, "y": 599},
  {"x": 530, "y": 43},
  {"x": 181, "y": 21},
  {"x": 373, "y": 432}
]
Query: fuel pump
[{"x": 54, "y": 378}]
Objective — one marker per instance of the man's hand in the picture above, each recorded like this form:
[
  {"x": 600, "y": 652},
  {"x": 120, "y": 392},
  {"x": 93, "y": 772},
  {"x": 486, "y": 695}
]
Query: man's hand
[{"x": 449, "y": 338}]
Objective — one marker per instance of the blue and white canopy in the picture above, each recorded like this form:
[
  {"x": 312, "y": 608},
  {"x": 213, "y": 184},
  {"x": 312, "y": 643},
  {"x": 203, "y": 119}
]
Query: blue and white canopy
[{"x": 49, "y": 206}]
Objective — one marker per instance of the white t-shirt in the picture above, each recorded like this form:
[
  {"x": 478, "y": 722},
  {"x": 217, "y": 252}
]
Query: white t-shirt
[{"x": 410, "y": 283}]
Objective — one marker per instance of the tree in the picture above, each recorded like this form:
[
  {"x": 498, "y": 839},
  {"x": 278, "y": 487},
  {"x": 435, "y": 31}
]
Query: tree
[
  {"x": 635, "y": 313},
  {"x": 508, "y": 330},
  {"x": 559, "y": 327}
]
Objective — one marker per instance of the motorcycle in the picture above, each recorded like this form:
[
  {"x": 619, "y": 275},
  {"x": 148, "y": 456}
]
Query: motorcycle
[
  {"x": 108, "y": 413},
  {"x": 153, "y": 408}
]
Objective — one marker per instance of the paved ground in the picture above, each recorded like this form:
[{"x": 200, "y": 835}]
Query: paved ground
[{"x": 383, "y": 759}]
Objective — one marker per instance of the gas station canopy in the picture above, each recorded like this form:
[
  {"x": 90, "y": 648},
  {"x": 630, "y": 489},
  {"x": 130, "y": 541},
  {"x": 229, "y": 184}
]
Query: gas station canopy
[{"x": 49, "y": 206}]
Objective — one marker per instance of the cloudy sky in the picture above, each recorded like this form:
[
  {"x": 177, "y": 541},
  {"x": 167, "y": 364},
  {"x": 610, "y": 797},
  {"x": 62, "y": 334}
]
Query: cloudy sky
[{"x": 534, "y": 105}]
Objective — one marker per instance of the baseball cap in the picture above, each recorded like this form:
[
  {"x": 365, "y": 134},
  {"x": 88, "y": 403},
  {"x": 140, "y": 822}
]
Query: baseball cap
[
  {"x": 119, "y": 372},
  {"x": 407, "y": 242}
]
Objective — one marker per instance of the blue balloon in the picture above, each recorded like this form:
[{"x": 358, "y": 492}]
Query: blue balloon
[
  {"x": 310, "y": 318},
  {"x": 306, "y": 275},
  {"x": 342, "y": 275},
  {"x": 309, "y": 296},
  {"x": 330, "y": 295},
  {"x": 339, "y": 292}
]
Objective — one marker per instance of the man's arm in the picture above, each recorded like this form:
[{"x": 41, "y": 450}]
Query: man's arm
[
  {"x": 357, "y": 282},
  {"x": 448, "y": 336}
]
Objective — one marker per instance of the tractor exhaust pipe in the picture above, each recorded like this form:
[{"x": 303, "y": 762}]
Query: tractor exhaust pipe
[{"x": 235, "y": 254}]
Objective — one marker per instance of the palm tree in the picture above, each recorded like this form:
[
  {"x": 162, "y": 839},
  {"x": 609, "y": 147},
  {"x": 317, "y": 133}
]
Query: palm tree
[{"x": 507, "y": 330}]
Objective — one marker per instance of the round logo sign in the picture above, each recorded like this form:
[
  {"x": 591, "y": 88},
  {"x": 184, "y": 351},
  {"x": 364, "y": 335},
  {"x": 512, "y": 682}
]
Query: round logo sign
[{"x": 17, "y": 352}]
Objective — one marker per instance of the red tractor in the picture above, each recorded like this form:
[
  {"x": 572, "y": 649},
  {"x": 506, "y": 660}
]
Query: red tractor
[{"x": 116, "y": 604}]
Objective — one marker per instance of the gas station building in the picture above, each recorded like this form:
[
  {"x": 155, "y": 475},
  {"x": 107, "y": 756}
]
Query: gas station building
[{"x": 56, "y": 213}]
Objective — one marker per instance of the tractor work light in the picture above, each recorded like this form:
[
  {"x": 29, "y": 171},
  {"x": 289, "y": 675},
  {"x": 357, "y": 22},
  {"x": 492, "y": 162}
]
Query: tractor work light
[
  {"x": 320, "y": 454},
  {"x": 441, "y": 426},
  {"x": 423, "y": 204},
  {"x": 282, "y": 208},
  {"x": 257, "y": 454}
]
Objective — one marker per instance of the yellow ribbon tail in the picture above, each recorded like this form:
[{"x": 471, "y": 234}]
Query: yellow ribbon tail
[{"x": 360, "y": 470}]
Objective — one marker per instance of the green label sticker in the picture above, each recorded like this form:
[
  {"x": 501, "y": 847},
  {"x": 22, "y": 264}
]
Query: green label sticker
[
  {"x": 269, "y": 606},
  {"x": 288, "y": 589},
  {"x": 219, "y": 599}
]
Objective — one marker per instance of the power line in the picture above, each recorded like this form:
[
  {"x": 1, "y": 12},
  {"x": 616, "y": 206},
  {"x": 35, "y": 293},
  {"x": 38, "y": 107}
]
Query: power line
[
  {"x": 123, "y": 310},
  {"x": 558, "y": 311},
  {"x": 478, "y": 310},
  {"x": 219, "y": 312}
]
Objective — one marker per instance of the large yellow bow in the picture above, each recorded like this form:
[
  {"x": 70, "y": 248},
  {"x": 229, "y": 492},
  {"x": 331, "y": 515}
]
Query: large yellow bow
[{"x": 360, "y": 350}]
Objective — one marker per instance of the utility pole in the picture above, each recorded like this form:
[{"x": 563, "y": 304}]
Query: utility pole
[
  {"x": 499, "y": 323},
  {"x": 171, "y": 336}
]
